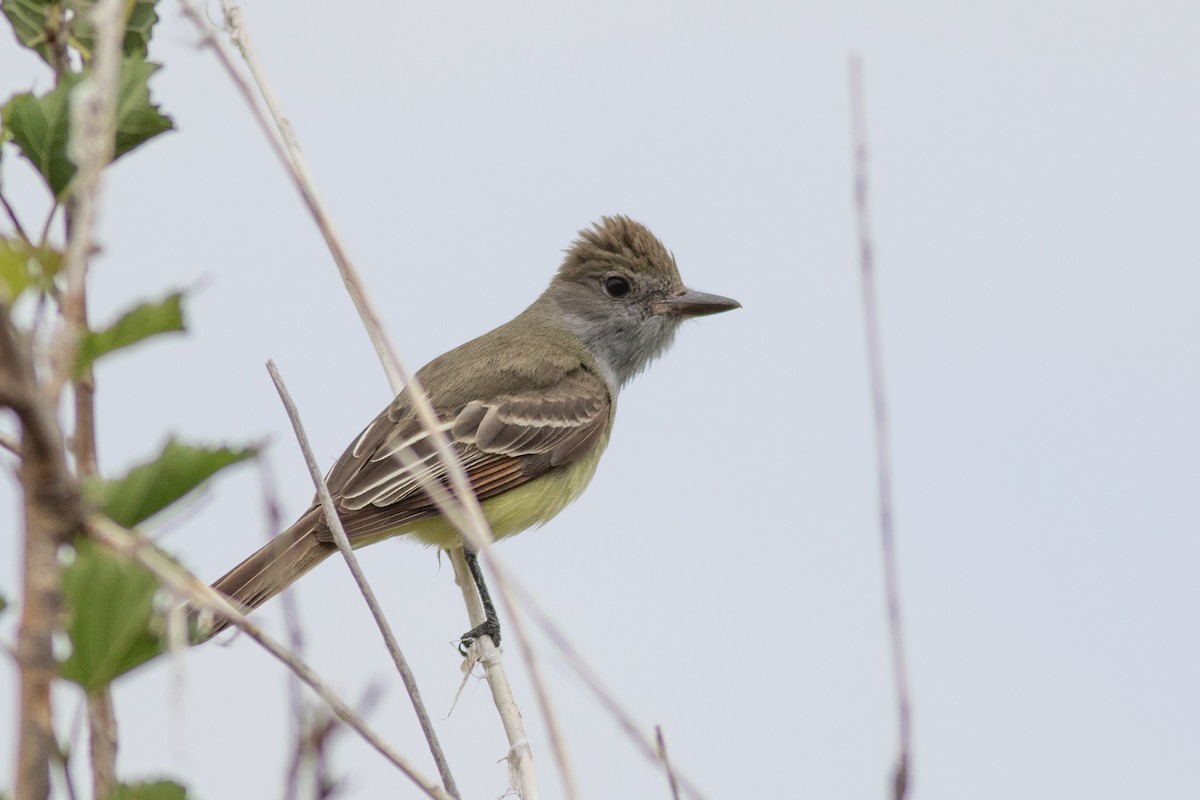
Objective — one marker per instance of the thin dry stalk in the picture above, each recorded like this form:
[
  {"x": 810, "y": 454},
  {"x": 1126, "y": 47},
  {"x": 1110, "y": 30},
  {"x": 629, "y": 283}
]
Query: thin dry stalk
[
  {"x": 882, "y": 445},
  {"x": 604, "y": 696},
  {"x": 92, "y": 137},
  {"x": 84, "y": 440},
  {"x": 516, "y": 621},
  {"x": 314, "y": 737},
  {"x": 102, "y": 720},
  {"x": 102, "y": 741},
  {"x": 288, "y": 148},
  {"x": 465, "y": 513},
  {"x": 202, "y": 596},
  {"x": 463, "y": 509},
  {"x": 93, "y": 122},
  {"x": 64, "y": 770},
  {"x": 661, "y": 743},
  {"x": 273, "y": 520},
  {"x": 343, "y": 545},
  {"x": 521, "y": 773},
  {"x": 12, "y": 217}
]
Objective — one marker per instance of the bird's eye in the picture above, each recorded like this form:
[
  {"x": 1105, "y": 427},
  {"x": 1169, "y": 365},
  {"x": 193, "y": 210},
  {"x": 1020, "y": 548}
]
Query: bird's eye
[{"x": 616, "y": 286}]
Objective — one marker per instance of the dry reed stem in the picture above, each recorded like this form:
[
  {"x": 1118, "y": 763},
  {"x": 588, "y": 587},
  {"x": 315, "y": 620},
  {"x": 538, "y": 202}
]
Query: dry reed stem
[{"x": 883, "y": 457}]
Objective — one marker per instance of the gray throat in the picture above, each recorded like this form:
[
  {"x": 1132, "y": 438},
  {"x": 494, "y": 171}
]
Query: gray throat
[{"x": 623, "y": 345}]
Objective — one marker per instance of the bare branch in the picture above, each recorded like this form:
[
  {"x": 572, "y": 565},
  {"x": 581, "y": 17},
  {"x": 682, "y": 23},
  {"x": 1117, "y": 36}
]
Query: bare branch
[
  {"x": 517, "y": 623},
  {"x": 62, "y": 760},
  {"x": 93, "y": 105},
  {"x": 273, "y": 521},
  {"x": 521, "y": 773},
  {"x": 313, "y": 739},
  {"x": 662, "y": 755},
  {"x": 591, "y": 680},
  {"x": 465, "y": 513},
  {"x": 12, "y": 217},
  {"x": 202, "y": 596},
  {"x": 882, "y": 445},
  {"x": 343, "y": 545},
  {"x": 92, "y": 136},
  {"x": 288, "y": 149},
  {"x": 52, "y": 513},
  {"x": 102, "y": 741},
  {"x": 49, "y": 221}
]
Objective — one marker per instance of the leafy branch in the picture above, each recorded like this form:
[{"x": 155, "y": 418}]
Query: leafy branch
[{"x": 98, "y": 110}]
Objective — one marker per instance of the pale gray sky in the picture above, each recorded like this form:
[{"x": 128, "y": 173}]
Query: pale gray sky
[{"x": 1036, "y": 187}]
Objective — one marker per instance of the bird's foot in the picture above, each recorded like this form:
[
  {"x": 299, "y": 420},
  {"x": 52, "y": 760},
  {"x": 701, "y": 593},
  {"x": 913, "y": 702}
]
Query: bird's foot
[{"x": 490, "y": 627}]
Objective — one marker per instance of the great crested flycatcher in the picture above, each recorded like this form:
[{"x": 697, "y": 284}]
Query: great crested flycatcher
[{"x": 528, "y": 407}]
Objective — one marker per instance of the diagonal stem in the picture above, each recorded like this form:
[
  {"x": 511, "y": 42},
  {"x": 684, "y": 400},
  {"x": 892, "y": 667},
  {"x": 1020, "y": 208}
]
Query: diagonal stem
[
  {"x": 343, "y": 545},
  {"x": 882, "y": 442}
]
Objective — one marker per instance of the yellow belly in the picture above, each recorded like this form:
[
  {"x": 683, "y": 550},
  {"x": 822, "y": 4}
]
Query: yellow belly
[{"x": 527, "y": 506}]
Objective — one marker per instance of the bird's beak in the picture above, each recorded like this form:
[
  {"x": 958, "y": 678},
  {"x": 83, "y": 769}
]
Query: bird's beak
[{"x": 694, "y": 304}]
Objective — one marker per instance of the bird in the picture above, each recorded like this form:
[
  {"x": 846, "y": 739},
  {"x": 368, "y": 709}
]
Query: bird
[{"x": 528, "y": 408}]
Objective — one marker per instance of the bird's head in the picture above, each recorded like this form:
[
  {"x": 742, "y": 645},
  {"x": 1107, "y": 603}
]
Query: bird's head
[{"x": 620, "y": 292}]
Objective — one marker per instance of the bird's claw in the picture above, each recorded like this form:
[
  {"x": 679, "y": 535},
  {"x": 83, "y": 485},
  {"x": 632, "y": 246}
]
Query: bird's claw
[{"x": 490, "y": 627}]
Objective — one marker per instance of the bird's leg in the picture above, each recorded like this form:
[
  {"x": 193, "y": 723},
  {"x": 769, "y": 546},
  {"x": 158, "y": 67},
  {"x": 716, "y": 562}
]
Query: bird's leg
[{"x": 491, "y": 623}]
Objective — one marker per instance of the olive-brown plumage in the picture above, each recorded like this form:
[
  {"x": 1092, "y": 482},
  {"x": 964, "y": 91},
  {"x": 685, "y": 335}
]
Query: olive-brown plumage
[{"x": 528, "y": 408}]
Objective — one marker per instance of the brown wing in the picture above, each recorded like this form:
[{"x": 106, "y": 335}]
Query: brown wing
[{"x": 502, "y": 442}]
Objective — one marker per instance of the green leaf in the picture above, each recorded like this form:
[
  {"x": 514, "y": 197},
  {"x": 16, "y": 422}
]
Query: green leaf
[
  {"x": 39, "y": 126},
  {"x": 22, "y": 264},
  {"x": 36, "y": 23},
  {"x": 111, "y": 619},
  {"x": 149, "y": 790},
  {"x": 14, "y": 273},
  {"x": 3, "y": 603},
  {"x": 140, "y": 322},
  {"x": 140, "y": 18},
  {"x": 138, "y": 120},
  {"x": 151, "y": 487}
]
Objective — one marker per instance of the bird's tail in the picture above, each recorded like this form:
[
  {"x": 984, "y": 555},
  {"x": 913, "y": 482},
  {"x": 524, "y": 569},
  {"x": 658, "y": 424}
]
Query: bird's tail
[{"x": 271, "y": 570}]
